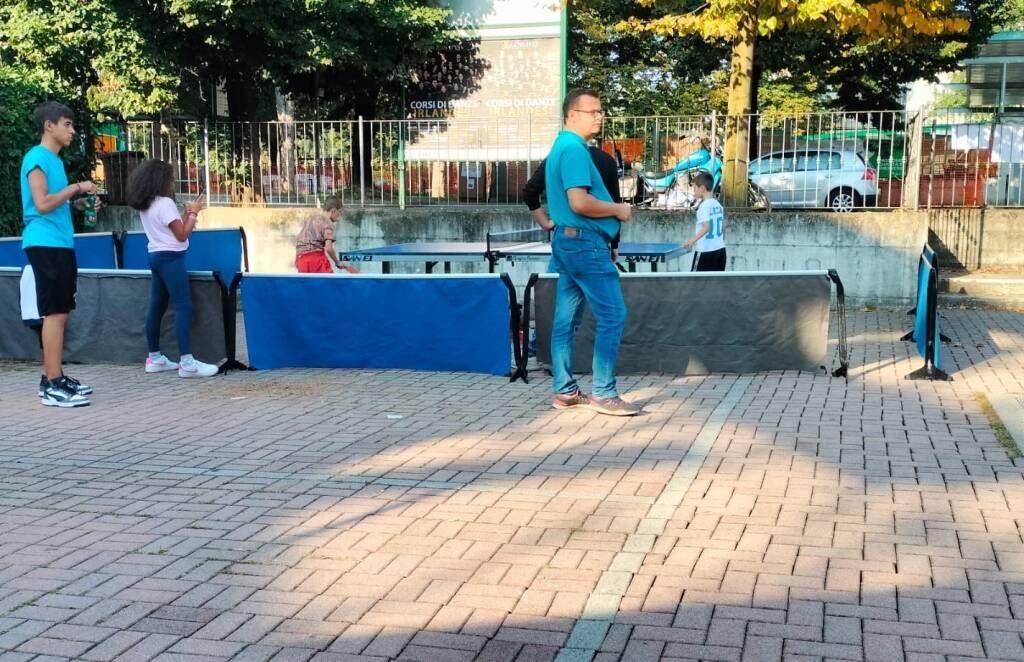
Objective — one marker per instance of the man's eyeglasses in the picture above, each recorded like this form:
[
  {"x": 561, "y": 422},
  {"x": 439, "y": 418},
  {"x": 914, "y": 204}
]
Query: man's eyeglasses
[{"x": 594, "y": 113}]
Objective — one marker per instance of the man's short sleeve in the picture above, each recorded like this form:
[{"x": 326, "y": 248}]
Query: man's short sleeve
[{"x": 575, "y": 166}]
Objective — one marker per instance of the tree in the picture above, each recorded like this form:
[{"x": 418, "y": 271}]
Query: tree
[
  {"x": 873, "y": 76},
  {"x": 89, "y": 51},
  {"x": 1011, "y": 16},
  {"x": 155, "y": 56},
  {"x": 639, "y": 73},
  {"x": 892, "y": 24},
  {"x": 147, "y": 56}
]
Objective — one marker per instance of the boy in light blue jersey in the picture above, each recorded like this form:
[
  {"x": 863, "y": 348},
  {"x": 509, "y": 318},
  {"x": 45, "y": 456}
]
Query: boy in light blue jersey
[
  {"x": 49, "y": 282},
  {"x": 709, "y": 240}
]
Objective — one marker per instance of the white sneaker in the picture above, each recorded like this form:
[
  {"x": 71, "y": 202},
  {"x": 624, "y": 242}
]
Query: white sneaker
[
  {"x": 196, "y": 369},
  {"x": 162, "y": 364}
]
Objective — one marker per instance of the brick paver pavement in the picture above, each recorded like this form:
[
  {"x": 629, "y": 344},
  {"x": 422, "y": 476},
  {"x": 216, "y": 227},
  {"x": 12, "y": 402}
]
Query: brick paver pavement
[{"x": 364, "y": 515}]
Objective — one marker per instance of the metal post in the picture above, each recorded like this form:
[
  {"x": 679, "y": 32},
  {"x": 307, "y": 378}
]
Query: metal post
[
  {"x": 657, "y": 143},
  {"x": 529, "y": 146},
  {"x": 912, "y": 173},
  {"x": 1002, "y": 90},
  {"x": 362, "y": 167},
  {"x": 714, "y": 135},
  {"x": 401, "y": 164},
  {"x": 206, "y": 157},
  {"x": 931, "y": 166},
  {"x": 316, "y": 161}
]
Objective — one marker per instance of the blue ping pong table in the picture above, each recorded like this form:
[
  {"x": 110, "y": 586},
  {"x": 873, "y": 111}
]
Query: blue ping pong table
[{"x": 446, "y": 252}]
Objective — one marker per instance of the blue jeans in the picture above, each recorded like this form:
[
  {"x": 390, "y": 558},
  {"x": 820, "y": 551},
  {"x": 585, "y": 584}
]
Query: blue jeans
[
  {"x": 586, "y": 275},
  {"x": 170, "y": 279}
]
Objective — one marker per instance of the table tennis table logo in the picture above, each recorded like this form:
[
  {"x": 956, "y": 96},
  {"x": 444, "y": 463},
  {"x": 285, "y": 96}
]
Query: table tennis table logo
[
  {"x": 645, "y": 258},
  {"x": 355, "y": 257}
]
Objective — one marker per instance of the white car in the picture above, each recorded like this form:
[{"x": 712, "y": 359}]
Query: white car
[{"x": 839, "y": 180}]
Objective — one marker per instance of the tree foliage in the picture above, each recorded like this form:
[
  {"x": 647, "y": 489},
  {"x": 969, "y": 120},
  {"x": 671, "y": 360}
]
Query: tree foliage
[
  {"x": 19, "y": 94},
  {"x": 893, "y": 25},
  {"x": 874, "y": 76},
  {"x": 89, "y": 50},
  {"x": 638, "y": 73},
  {"x": 898, "y": 22},
  {"x": 148, "y": 56},
  {"x": 643, "y": 71}
]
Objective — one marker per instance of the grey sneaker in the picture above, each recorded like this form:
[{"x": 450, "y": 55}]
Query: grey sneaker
[
  {"x": 577, "y": 399},
  {"x": 615, "y": 406},
  {"x": 77, "y": 386},
  {"x": 61, "y": 393}
]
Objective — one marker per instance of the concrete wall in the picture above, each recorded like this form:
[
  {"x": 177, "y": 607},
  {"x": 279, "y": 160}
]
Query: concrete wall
[
  {"x": 875, "y": 252},
  {"x": 982, "y": 238}
]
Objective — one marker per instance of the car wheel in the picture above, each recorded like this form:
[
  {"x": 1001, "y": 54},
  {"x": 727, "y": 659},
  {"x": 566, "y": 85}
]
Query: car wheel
[{"x": 843, "y": 200}]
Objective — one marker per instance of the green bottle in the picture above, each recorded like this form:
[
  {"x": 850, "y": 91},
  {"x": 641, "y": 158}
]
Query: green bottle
[{"x": 90, "y": 212}]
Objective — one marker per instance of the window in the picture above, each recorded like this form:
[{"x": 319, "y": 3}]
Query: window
[
  {"x": 814, "y": 161},
  {"x": 773, "y": 164}
]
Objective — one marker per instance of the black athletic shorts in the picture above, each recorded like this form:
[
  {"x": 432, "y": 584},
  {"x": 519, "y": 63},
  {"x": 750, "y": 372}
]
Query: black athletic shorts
[
  {"x": 49, "y": 282},
  {"x": 712, "y": 261}
]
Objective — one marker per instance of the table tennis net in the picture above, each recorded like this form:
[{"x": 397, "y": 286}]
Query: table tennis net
[{"x": 497, "y": 241}]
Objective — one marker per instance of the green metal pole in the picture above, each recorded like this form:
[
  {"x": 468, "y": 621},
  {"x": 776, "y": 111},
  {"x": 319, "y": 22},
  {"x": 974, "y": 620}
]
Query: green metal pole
[{"x": 565, "y": 50}]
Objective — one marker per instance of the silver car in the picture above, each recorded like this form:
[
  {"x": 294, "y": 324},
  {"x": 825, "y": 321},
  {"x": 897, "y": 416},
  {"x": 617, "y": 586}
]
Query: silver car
[{"x": 836, "y": 179}]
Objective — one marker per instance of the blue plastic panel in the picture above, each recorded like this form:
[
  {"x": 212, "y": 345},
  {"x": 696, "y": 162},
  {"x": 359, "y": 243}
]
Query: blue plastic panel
[{"x": 440, "y": 323}]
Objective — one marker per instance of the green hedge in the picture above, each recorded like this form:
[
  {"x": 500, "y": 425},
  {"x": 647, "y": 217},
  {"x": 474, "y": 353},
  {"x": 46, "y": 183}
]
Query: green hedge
[{"x": 18, "y": 99}]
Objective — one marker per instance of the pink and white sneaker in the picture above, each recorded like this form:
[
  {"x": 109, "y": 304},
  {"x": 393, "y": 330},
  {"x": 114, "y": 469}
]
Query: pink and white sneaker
[
  {"x": 162, "y": 364},
  {"x": 193, "y": 369}
]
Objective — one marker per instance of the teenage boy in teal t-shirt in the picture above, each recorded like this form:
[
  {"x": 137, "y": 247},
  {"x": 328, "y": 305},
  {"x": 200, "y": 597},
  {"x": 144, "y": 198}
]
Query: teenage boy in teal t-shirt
[{"x": 49, "y": 282}]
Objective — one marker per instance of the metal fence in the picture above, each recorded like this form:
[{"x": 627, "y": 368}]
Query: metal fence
[{"x": 836, "y": 160}]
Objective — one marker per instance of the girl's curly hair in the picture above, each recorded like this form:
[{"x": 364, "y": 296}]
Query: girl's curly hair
[{"x": 152, "y": 178}]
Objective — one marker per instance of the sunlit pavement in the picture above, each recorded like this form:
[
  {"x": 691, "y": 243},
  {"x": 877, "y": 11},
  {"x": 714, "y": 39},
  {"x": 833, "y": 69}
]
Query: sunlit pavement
[{"x": 372, "y": 515}]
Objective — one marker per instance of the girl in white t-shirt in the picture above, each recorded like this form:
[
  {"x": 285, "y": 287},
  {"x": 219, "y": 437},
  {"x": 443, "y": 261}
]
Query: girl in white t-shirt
[{"x": 151, "y": 191}]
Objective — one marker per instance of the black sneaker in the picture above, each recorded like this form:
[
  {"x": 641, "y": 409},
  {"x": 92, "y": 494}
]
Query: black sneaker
[
  {"x": 61, "y": 393},
  {"x": 80, "y": 388}
]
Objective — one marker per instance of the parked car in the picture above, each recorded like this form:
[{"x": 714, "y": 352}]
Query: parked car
[{"x": 836, "y": 179}]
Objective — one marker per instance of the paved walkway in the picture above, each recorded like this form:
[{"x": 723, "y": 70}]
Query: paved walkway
[{"x": 364, "y": 515}]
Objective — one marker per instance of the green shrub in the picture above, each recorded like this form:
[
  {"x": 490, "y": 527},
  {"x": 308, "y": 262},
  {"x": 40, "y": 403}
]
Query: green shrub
[{"x": 18, "y": 98}]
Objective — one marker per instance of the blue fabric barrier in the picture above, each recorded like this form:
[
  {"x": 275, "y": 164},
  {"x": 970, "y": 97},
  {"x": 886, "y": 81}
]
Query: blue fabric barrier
[
  {"x": 223, "y": 251},
  {"x": 11, "y": 254},
  {"x": 441, "y": 323},
  {"x": 920, "y": 332},
  {"x": 937, "y": 346},
  {"x": 94, "y": 250},
  {"x": 926, "y": 334}
]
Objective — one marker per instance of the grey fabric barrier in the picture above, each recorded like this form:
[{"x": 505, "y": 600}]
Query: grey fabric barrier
[
  {"x": 699, "y": 323},
  {"x": 108, "y": 323}
]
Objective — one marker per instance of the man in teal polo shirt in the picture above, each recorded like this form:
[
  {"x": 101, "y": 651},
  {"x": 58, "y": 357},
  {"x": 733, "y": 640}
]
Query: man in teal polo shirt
[{"x": 586, "y": 221}]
